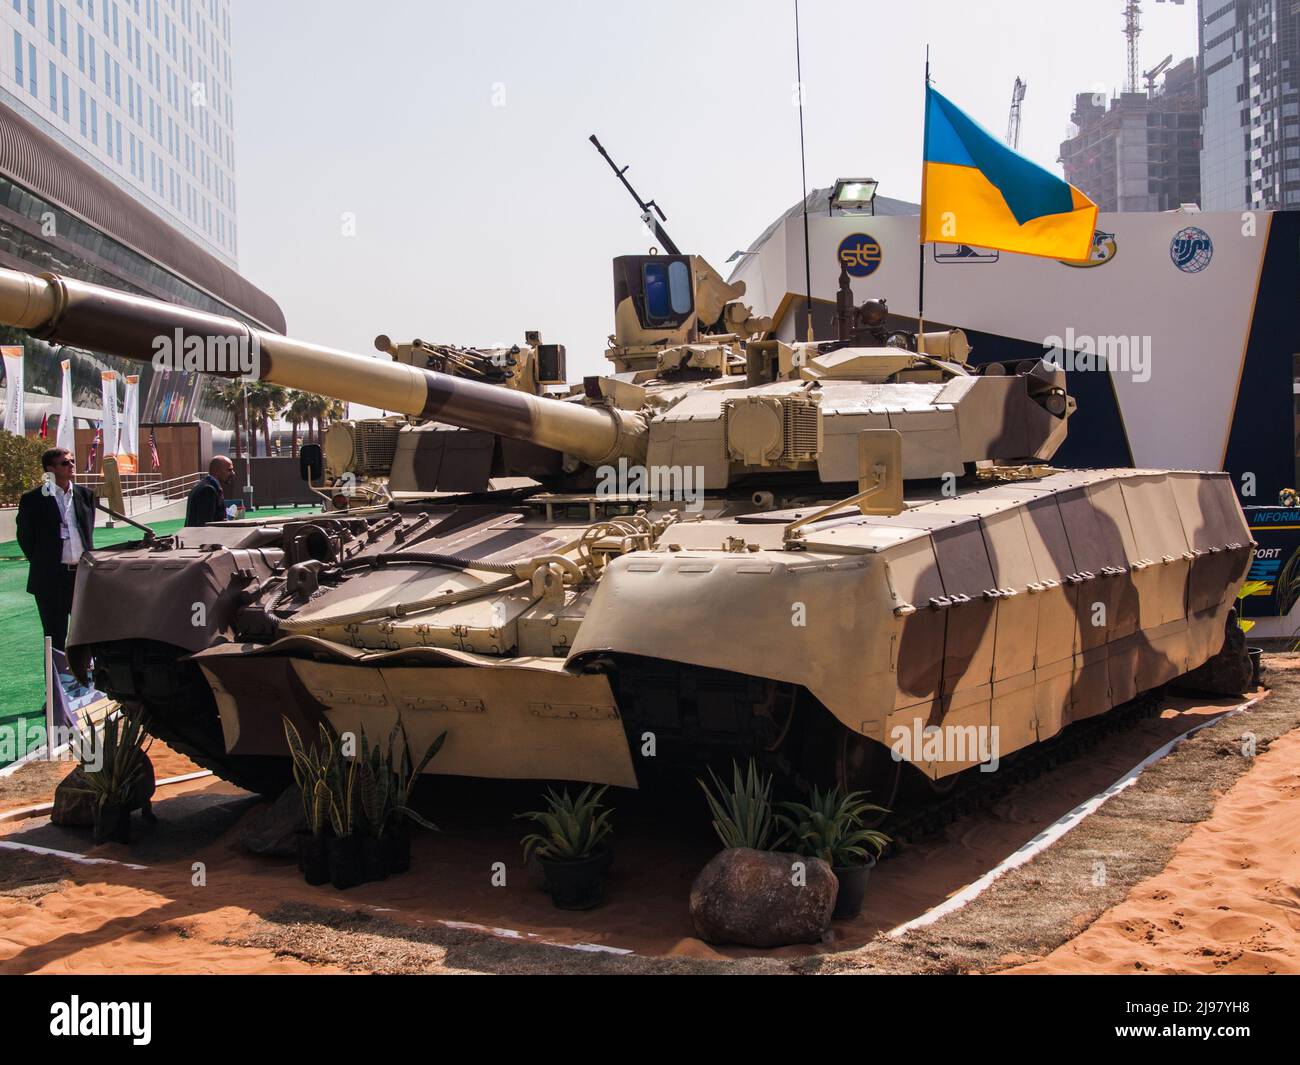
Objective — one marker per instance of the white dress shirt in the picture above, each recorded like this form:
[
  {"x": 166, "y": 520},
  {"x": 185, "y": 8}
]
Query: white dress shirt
[{"x": 68, "y": 530}]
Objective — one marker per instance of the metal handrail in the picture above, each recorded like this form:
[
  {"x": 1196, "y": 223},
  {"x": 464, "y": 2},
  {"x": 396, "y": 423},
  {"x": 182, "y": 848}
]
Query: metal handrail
[{"x": 146, "y": 484}]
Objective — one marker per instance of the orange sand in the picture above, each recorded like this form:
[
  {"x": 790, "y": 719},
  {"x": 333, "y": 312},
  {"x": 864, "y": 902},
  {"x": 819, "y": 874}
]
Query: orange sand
[
  {"x": 1228, "y": 901},
  {"x": 155, "y": 920}
]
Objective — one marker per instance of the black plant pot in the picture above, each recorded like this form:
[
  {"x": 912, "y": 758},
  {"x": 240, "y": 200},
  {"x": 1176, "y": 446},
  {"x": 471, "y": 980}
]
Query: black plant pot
[
  {"x": 1256, "y": 664},
  {"x": 345, "y": 861},
  {"x": 577, "y": 885},
  {"x": 112, "y": 822},
  {"x": 397, "y": 849},
  {"x": 853, "y": 888},
  {"x": 374, "y": 865},
  {"x": 314, "y": 858}
]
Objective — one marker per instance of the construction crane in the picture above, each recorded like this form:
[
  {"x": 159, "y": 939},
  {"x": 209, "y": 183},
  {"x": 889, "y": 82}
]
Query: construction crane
[
  {"x": 1155, "y": 72},
  {"x": 1013, "y": 120},
  {"x": 1132, "y": 27}
]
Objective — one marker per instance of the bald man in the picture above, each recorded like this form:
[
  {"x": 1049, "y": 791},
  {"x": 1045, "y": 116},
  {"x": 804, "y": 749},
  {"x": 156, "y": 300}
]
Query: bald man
[{"x": 207, "y": 502}]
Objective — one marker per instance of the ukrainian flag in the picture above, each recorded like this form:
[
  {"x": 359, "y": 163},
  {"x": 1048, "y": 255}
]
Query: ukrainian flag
[{"x": 976, "y": 190}]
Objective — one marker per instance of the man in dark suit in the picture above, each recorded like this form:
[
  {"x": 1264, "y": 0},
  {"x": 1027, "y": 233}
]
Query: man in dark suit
[
  {"x": 56, "y": 523},
  {"x": 207, "y": 501}
]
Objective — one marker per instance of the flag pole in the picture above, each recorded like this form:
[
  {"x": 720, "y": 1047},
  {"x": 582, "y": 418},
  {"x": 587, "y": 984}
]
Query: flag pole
[{"x": 920, "y": 291}]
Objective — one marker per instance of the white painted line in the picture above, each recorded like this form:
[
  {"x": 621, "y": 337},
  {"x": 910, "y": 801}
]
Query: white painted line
[
  {"x": 510, "y": 933},
  {"x": 41, "y": 809},
  {"x": 183, "y": 778},
  {"x": 1055, "y": 831},
  {"x": 31, "y": 756},
  {"x": 70, "y": 856}
]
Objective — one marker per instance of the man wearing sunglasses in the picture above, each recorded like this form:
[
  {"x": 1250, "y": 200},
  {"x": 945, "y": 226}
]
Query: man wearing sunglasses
[{"x": 56, "y": 523}]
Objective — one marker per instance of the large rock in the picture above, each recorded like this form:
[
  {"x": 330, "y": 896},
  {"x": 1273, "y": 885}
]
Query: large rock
[
  {"x": 275, "y": 830},
  {"x": 1227, "y": 673},
  {"x": 74, "y": 805},
  {"x": 752, "y": 898}
]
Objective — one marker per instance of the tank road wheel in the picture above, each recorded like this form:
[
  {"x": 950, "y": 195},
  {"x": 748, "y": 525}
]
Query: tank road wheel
[
  {"x": 867, "y": 766},
  {"x": 154, "y": 681},
  {"x": 928, "y": 787},
  {"x": 837, "y": 756}
]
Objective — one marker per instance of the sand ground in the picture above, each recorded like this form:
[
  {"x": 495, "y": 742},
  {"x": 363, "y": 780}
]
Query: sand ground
[{"x": 1200, "y": 861}]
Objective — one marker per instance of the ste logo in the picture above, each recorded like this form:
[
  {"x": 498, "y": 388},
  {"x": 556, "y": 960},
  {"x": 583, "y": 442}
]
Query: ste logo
[
  {"x": 1191, "y": 250},
  {"x": 861, "y": 254}
]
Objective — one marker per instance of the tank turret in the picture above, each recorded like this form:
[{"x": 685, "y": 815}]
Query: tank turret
[{"x": 733, "y": 406}]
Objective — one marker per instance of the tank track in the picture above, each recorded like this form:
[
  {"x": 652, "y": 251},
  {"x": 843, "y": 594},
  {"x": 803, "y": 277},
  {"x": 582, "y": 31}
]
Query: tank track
[
  {"x": 975, "y": 792},
  {"x": 154, "y": 679}
]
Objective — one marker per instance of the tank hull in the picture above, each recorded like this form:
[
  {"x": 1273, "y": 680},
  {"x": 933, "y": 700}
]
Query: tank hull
[{"x": 963, "y": 629}]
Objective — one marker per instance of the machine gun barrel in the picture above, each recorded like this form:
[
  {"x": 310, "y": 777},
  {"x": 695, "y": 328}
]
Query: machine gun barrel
[
  {"x": 100, "y": 319},
  {"x": 648, "y": 207}
]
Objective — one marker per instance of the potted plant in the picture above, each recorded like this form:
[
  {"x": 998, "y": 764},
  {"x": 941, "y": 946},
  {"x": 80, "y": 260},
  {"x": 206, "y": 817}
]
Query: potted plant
[
  {"x": 396, "y": 838},
  {"x": 344, "y": 845},
  {"x": 356, "y": 809},
  {"x": 376, "y": 799},
  {"x": 572, "y": 847},
  {"x": 742, "y": 814},
  {"x": 311, "y": 772},
  {"x": 830, "y": 827},
  {"x": 117, "y": 774}
]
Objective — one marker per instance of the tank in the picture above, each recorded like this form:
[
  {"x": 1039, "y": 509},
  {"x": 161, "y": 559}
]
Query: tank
[{"x": 850, "y": 559}]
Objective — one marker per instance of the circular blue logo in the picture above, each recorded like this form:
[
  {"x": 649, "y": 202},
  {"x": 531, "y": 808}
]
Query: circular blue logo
[
  {"x": 861, "y": 254},
  {"x": 1191, "y": 250}
]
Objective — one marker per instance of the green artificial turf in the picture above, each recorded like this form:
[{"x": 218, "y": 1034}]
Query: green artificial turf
[{"x": 22, "y": 685}]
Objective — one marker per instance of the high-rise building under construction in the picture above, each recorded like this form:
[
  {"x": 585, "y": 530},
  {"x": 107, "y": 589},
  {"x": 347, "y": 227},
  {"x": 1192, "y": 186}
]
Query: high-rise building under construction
[{"x": 1139, "y": 151}]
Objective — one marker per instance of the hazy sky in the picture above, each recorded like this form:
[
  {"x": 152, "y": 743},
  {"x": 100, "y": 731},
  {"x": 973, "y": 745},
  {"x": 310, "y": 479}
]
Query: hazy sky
[{"x": 455, "y": 136}]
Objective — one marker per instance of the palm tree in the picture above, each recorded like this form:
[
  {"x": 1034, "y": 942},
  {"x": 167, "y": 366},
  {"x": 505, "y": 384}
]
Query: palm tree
[
  {"x": 230, "y": 397},
  {"x": 318, "y": 407},
  {"x": 298, "y": 411},
  {"x": 265, "y": 401},
  {"x": 335, "y": 409}
]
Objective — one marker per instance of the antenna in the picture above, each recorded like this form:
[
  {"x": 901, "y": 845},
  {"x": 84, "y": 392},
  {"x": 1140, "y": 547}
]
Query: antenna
[
  {"x": 1013, "y": 119},
  {"x": 803, "y": 168},
  {"x": 1132, "y": 27}
]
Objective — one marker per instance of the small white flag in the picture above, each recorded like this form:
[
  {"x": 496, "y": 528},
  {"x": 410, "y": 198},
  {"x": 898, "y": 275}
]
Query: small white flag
[
  {"x": 67, "y": 437},
  {"x": 112, "y": 423},
  {"x": 13, "y": 356}
]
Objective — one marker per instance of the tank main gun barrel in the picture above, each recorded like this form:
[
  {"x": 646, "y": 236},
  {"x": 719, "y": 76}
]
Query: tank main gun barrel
[{"x": 100, "y": 319}]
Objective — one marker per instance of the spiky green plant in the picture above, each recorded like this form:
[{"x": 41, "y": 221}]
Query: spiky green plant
[
  {"x": 572, "y": 828},
  {"x": 830, "y": 827},
  {"x": 313, "y": 770},
  {"x": 369, "y": 792},
  {"x": 375, "y": 785},
  {"x": 120, "y": 752},
  {"x": 742, "y": 814},
  {"x": 342, "y": 785},
  {"x": 405, "y": 774}
]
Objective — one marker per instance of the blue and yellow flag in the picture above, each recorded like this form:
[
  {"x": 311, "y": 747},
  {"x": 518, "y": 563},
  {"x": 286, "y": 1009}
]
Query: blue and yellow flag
[{"x": 976, "y": 190}]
